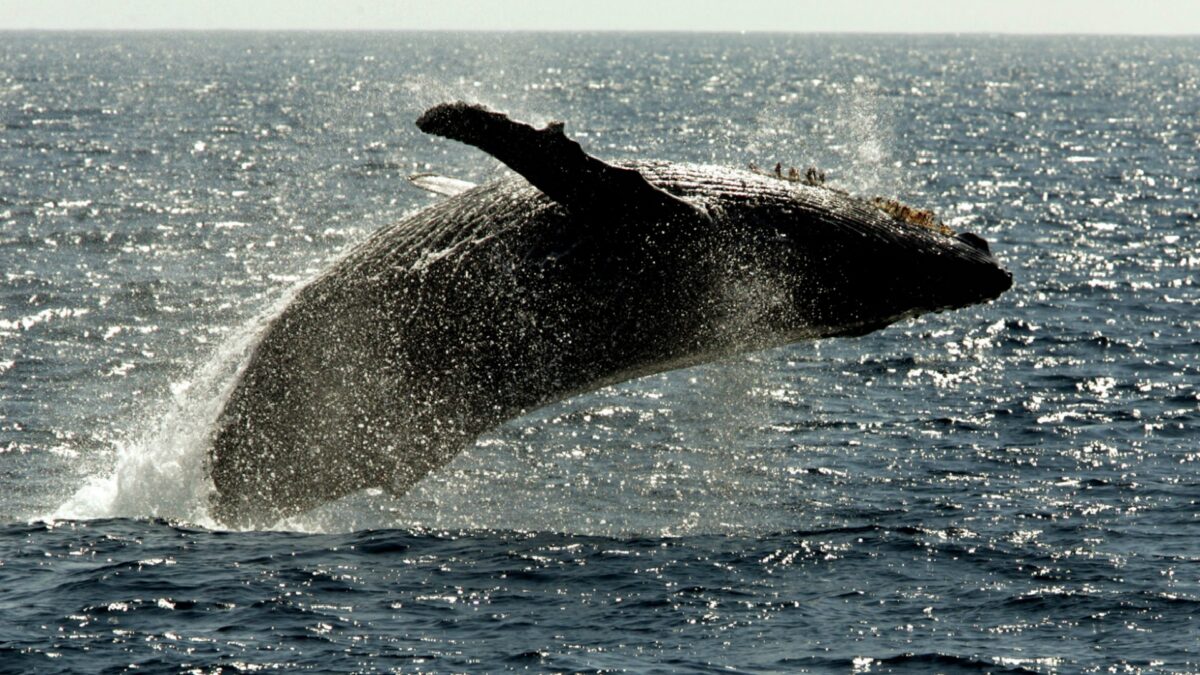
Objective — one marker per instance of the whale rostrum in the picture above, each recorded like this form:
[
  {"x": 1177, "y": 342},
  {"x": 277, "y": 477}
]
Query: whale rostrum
[{"x": 573, "y": 274}]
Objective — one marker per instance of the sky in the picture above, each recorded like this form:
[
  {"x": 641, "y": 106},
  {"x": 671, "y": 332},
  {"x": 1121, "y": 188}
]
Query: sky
[{"x": 803, "y": 16}]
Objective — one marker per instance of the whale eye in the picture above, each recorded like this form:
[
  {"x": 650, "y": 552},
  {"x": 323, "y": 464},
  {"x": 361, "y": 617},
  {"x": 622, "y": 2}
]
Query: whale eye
[{"x": 974, "y": 241}]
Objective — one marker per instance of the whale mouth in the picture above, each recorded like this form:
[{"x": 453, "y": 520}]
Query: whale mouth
[
  {"x": 998, "y": 279},
  {"x": 987, "y": 280},
  {"x": 1005, "y": 283}
]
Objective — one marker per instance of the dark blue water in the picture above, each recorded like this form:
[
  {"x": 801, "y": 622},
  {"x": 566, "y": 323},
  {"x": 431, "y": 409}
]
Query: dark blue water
[{"x": 1008, "y": 488}]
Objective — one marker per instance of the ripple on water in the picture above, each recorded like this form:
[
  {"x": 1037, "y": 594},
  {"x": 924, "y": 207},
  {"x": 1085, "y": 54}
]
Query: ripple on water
[{"x": 1008, "y": 487}]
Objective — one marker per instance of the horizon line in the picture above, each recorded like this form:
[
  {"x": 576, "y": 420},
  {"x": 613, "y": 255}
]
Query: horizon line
[{"x": 649, "y": 31}]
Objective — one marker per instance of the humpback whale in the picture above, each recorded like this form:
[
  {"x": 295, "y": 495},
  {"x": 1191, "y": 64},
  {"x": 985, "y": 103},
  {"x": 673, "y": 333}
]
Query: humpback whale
[{"x": 570, "y": 274}]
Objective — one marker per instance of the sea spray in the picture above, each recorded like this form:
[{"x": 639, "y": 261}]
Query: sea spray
[
  {"x": 160, "y": 470},
  {"x": 850, "y": 135}
]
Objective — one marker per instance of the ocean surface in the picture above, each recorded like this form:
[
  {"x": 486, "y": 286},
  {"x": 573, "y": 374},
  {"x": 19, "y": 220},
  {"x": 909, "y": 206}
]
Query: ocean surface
[{"x": 1013, "y": 487}]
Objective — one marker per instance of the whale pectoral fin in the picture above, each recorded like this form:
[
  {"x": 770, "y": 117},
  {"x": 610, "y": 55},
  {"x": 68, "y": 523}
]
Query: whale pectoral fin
[
  {"x": 555, "y": 164},
  {"x": 440, "y": 185}
]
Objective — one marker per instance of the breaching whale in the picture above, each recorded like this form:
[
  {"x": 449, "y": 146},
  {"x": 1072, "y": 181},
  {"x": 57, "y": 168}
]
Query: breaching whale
[{"x": 573, "y": 274}]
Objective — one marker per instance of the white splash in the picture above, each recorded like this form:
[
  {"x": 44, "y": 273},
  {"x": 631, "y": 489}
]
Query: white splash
[
  {"x": 864, "y": 136},
  {"x": 847, "y": 131},
  {"x": 159, "y": 472}
]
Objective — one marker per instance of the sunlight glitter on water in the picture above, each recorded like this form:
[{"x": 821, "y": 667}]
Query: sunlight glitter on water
[{"x": 1024, "y": 471}]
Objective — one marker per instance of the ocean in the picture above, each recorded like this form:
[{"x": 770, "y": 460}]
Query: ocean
[{"x": 1013, "y": 487}]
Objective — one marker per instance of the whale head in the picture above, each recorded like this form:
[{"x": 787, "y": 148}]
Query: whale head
[{"x": 777, "y": 261}]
